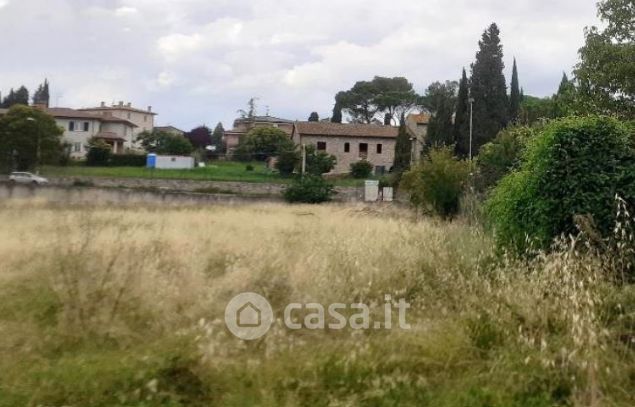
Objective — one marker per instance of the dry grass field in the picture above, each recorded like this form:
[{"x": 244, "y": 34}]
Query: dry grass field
[{"x": 124, "y": 307}]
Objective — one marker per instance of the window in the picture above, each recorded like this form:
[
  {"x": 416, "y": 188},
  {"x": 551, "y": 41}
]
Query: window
[
  {"x": 86, "y": 126},
  {"x": 77, "y": 147},
  {"x": 71, "y": 126},
  {"x": 379, "y": 148},
  {"x": 347, "y": 147},
  {"x": 380, "y": 169},
  {"x": 321, "y": 146},
  {"x": 363, "y": 150},
  {"x": 145, "y": 118},
  {"x": 128, "y": 115}
]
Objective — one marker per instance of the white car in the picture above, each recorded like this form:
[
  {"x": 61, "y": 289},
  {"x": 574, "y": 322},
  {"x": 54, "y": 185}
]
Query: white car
[{"x": 27, "y": 178}]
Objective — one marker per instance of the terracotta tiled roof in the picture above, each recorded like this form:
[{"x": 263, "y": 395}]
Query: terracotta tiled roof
[
  {"x": 345, "y": 130},
  {"x": 70, "y": 113},
  {"x": 422, "y": 118},
  {"x": 117, "y": 107},
  {"x": 108, "y": 135},
  {"x": 113, "y": 119}
]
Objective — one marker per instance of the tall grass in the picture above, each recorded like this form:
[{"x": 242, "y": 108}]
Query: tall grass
[{"x": 123, "y": 306}]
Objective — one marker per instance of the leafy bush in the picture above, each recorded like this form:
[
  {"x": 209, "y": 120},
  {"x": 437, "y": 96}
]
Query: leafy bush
[
  {"x": 162, "y": 142},
  {"x": 574, "y": 166},
  {"x": 361, "y": 169},
  {"x": 99, "y": 153},
  {"x": 501, "y": 155},
  {"x": 263, "y": 142},
  {"x": 319, "y": 162},
  {"x": 309, "y": 189},
  {"x": 249, "y": 167},
  {"x": 128, "y": 160},
  {"x": 287, "y": 161},
  {"x": 437, "y": 182}
]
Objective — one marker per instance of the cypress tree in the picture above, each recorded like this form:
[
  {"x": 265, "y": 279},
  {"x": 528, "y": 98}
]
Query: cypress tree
[
  {"x": 489, "y": 89},
  {"x": 514, "y": 102},
  {"x": 337, "y": 109},
  {"x": 462, "y": 118},
  {"x": 403, "y": 148}
]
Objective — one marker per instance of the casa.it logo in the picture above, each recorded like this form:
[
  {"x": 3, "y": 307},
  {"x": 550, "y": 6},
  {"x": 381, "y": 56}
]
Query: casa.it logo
[{"x": 249, "y": 316}]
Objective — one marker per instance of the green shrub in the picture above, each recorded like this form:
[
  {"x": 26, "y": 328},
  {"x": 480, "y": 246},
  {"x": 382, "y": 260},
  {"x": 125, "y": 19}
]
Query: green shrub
[
  {"x": 361, "y": 169},
  {"x": 287, "y": 161},
  {"x": 319, "y": 162},
  {"x": 127, "y": 160},
  {"x": 263, "y": 142},
  {"x": 574, "y": 166},
  {"x": 99, "y": 153},
  {"x": 437, "y": 182},
  {"x": 498, "y": 157},
  {"x": 249, "y": 167},
  {"x": 309, "y": 189}
]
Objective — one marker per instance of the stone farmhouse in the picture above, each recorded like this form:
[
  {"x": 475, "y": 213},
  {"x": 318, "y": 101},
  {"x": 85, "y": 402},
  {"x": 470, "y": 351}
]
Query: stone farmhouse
[{"x": 350, "y": 143}]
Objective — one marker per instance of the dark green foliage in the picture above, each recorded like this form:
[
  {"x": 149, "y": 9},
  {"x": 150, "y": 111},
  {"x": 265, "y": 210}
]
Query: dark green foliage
[
  {"x": 287, "y": 161},
  {"x": 127, "y": 160},
  {"x": 533, "y": 110},
  {"x": 514, "y": 98},
  {"x": 462, "y": 118},
  {"x": 361, "y": 169},
  {"x": 606, "y": 69},
  {"x": 437, "y": 182},
  {"x": 99, "y": 153},
  {"x": 337, "y": 108},
  {"x": 42, "y": 95},
  {"x": 262, "y": 143},
  {"x": 574, "y": 166},
  {"x": 403, "y": 149},
  {"x": 19, "y": 97},
  {"x": 161, "y": 142},
  {"x": 249, "y": 168},
  {"x": 24, "y": 132},
  {"x": 217, "y": 139},
  {"x": 314, "y": 117},
  {"x": 440, "y": 100},
  {"x": 200, "y": 137},
  {"x": 309, "y": 189},
  {"x": 366, "y": 99},
  {"x": 501, "y": 155},
  {"x": 489, "y": 89},
  {"x": 319, "y": 162}
]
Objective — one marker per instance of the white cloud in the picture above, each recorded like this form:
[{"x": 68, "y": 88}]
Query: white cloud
[{"x": 199, "y": 60}]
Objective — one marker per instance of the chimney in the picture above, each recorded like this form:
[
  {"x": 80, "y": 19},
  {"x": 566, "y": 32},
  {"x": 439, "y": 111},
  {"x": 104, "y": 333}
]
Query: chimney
[
  {"x": 129, "y": 104},
  {"x": 149, "y": 108},
  {"x": 103, "y": 104},
  {"x": 121, "y": 103}
]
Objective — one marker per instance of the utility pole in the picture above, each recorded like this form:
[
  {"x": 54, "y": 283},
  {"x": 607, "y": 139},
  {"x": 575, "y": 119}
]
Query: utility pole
[
  {"x": 303, "y": 158},
  {"x": 471, "y": 100}
]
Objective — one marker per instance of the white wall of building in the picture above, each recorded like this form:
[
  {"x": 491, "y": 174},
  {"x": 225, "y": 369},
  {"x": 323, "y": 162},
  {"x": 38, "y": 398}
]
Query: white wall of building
[{"x": 76, "y": 134}]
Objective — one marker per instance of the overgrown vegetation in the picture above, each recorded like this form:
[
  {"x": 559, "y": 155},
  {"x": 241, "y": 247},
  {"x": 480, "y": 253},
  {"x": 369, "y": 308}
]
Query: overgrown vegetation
[
  {"x": 124, "y": 307},
  {"x": 361, "y": 169},
  {"x": 309, "y": 188}
]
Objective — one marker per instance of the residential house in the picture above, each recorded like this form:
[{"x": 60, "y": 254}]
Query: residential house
[
  {"x": 244, "y": 124},
  {"x": 80, "y": 126},
  {"x": 171, "y": 130},
  {"x": 142, "y": 119},
  {"x": 350, "y": 143}
]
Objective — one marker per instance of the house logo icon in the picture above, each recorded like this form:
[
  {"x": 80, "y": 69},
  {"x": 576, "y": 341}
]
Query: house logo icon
[{"x": 248, "y": 316}]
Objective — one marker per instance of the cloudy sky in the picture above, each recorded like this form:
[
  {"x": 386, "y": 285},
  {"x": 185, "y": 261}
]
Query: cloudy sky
[{"x": 198, "y": 61}]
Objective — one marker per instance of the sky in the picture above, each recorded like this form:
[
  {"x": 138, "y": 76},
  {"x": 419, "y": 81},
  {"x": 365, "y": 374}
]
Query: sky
[{"x": 199, "y": 61}]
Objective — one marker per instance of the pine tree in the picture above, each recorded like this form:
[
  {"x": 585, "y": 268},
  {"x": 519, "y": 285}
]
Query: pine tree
[
  {"x": 314, "y": 117},
  {"x": 514, "y": 100},
  {"x": 22, "y": 96},
  {"x": 462, "y": 118},
  {"x": 488, "y": 89},
  {"x": 217, "y": 138},
  {"x": 337, "y": 109},
  {"x": 564, "y": 100},
  {"x": 403, "y": 148}
]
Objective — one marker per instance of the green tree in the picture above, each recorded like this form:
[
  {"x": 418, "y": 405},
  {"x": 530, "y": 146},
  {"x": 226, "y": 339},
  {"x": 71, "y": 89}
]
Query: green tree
[
  {"x": 514, "y": 98},
  {"x": 314, "y": 117},
  {"x": 218, "y": 136},
  {"x": 437, "y": 182},
  {"x": 606, "y": 69},
  {"x": 319, "y": 162},
  {"x": 574, "y": 167},
  {"x": 41, "y": 95},
  {"x": 462, "y": 118},
  {"x": 337, "y": 108},
  {"x": 361, "y": 169},
  {"x": 161, "y": 142},
  {"x": 564, "y": 101},
  {"x": 19, "y": 97},
  {"x": 250, "y": 113},
  {"x": 533, "y": 110},
  {"x": 489, "y": 89},
  {"x": 99, "y": 153},
  {"x": 263, "y": 142},
  {"x": 28, "y": 137},
  {"x": 403, "y": 149},
  {"x": 287, "y": 161},
  {"x": 440, "y": 100}
]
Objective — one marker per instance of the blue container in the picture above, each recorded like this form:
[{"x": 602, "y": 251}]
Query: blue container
[{"x": 151, "y": 161}]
